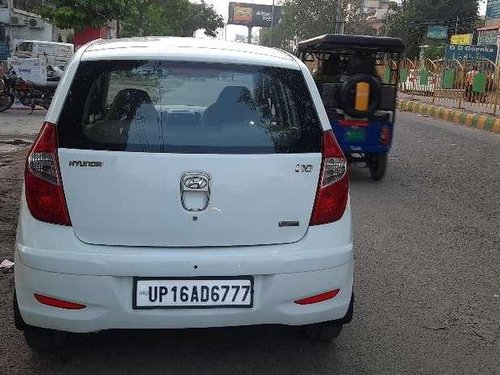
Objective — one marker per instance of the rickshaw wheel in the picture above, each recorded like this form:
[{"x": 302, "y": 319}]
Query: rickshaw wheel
[{"x": 378, "y": 165}]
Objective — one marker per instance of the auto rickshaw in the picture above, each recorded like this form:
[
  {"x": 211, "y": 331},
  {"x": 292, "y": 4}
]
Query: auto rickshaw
[{"x": 357, "y": 77}]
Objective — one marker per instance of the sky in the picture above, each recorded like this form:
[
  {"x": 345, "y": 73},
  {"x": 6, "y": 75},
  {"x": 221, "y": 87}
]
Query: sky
[{"x": 231, "y": 30}]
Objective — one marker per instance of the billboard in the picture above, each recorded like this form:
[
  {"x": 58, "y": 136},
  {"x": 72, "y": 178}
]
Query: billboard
[
  {"x": 493, "y": 9},
  {"x": 437, "y": 32},
  {"x": 462, "y": 39},
  {"x": 253, "y": 14},
  {"x": 487, "y": 37},
  {"x": 471, "y": 52}
]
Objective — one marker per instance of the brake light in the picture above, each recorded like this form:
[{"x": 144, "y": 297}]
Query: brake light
[
  {"x": 44, "y": 190},
  {"x": 333, "y": 186},
  {"x": 59, "y": 303}
]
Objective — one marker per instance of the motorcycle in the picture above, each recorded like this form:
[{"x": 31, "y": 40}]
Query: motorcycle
[{"x": 28, "y": 93}]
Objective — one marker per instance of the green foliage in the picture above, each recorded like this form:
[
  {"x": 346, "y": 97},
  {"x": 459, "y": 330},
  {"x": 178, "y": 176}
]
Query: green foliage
[
  {"x": 411, "y": 18},
  {"x": 303, "y": 19},
  {"x": 434, "y": 52},
  {"x": 136, "y": 17},
  {"x": 202, "y": 16},
  {"x": 78, "y": 14},
  {"x": 170, "y": 17}
]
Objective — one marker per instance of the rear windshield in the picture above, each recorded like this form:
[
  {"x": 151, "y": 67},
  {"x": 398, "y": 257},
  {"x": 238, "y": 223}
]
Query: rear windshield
[
  {"x": 184, "y": 107},
  {"x": 25, "y": 47}
]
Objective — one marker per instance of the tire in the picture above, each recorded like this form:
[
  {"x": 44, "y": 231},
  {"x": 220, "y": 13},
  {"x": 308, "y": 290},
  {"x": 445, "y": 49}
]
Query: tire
[
  {"x": 378, "y": 166},
  {"x": 348, "y": 95},
  {"x": 18, "y": 319},
  {"x": 325, "y": 332},
  {"x": 44, "y": 340},
  {"x": 6, "y": 101}
]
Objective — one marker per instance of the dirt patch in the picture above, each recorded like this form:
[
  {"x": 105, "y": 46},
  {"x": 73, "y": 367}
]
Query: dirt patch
[
  {"x": 11, "y": 168},
  {"x": 11, "y": 146},
  {"x": 11, "y": 171}
]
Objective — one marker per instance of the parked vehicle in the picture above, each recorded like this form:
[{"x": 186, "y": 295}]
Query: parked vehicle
[
  {"x": 28, "y": 93},
  {"x": 360, "y": 105},
  {"x": 56, "y": 54},
  {"x": 155, "y": 200}
]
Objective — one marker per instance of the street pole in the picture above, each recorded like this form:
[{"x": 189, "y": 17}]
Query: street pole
[
  {"x": 336, "y": 14},
  {"x": 249, "y": 37},
  {"x": 272, "y": 24},
  {"x": 456, "y": 26}
]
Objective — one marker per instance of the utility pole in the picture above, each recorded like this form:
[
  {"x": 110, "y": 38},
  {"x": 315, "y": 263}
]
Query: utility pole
[
  {"x": 338, "y": 24},
  {"x": 456, "y": 26}
]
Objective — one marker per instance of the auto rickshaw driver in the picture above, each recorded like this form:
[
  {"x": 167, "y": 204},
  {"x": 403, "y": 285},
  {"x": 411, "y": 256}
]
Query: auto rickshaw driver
[{"x": 329, "y": 70}]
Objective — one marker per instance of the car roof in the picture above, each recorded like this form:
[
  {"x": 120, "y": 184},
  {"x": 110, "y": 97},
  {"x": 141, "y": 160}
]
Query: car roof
[
  {"x": 187, "y": 49},
  {"x": 363, "y": 42},
  {"x": 45, "y": 42}
]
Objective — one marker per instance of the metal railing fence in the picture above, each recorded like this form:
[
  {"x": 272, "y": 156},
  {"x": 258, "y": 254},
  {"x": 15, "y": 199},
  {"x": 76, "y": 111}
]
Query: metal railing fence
[{"x": 470, "y": 85}]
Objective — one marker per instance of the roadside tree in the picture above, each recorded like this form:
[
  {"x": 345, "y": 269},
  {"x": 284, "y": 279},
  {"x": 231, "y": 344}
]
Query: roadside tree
[{"x": 303, "y": 19}]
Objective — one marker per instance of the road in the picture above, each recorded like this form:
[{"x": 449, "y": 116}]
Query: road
[{"x": 427, "y": 279}]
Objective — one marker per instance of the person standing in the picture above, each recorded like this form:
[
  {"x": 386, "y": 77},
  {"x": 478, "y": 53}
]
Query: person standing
[{"x": 469, "y": 82}]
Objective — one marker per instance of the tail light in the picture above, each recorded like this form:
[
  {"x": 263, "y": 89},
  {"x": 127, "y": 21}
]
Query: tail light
[
  {"x": 44, "y": 190},
  {"x": 333, "y": 186},
  {"x": 385, "y": 135}
]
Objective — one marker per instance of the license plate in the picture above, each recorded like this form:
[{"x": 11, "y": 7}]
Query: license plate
[
  {"x": 355, "y": 135},
  {"x": 157, "y": 293}
]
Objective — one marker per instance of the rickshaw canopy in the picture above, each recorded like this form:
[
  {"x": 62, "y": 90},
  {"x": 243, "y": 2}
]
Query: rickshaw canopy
[{"x": 329, "y": 42}]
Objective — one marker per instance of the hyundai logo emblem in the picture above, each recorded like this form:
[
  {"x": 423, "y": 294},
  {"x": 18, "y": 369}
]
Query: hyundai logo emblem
[
  {"x": 193, "y": 186},
  {"x": 196, "y": 182}
]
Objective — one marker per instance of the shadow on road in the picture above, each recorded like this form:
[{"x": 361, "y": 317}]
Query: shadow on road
[{"x": 259, "y": 349}]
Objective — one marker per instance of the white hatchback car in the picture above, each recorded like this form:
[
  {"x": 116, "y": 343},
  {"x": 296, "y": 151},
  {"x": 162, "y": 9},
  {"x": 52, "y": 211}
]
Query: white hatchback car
[{"x": 181, "y": 183}]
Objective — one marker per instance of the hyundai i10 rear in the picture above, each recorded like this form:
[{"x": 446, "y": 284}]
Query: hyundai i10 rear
[{"x": 179, "y": 183}]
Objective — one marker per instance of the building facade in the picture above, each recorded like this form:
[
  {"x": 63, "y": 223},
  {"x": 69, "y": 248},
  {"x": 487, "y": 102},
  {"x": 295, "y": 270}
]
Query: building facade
[
  {"x": 19, "y": 22},
  {"x": 376, "y": 12},
  {"x": 377, "y": 8},
  {"x": 489, "y": 35}
]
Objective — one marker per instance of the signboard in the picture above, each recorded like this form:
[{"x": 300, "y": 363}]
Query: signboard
[
  {"x": 493, "y": 9},
  {"x": 437, "y": 32},
  {"x": 34, "y": 70},
  {"x": 471, "y": 52},
  {"x": 462, "y": 39},
  {"x": 253, "y": 14},
  {"x": 487, "y": 37}
]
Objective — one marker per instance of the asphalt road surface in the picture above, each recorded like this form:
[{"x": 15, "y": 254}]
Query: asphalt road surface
[{"x": 427, "y": 277}]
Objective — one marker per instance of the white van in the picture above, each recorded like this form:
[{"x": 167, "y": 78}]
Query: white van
[{"x": 57, "y": 54}]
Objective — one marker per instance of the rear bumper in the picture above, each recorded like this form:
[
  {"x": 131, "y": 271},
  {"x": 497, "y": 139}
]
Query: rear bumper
[
  {"x": 109, "y": 302},
  {"x": 371, "y": 143},
  {"x": 50, "y": 260}
]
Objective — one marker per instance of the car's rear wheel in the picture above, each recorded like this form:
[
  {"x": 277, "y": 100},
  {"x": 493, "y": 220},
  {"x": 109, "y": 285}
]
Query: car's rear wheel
[
  {"x": 378, "y": 166},
  {"x": 323, "y": 331},
  {"x": 44, "y": 340}
]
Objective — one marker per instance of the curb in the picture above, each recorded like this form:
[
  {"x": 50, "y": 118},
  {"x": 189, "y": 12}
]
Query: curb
[{"x": 472, "y": 120}]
